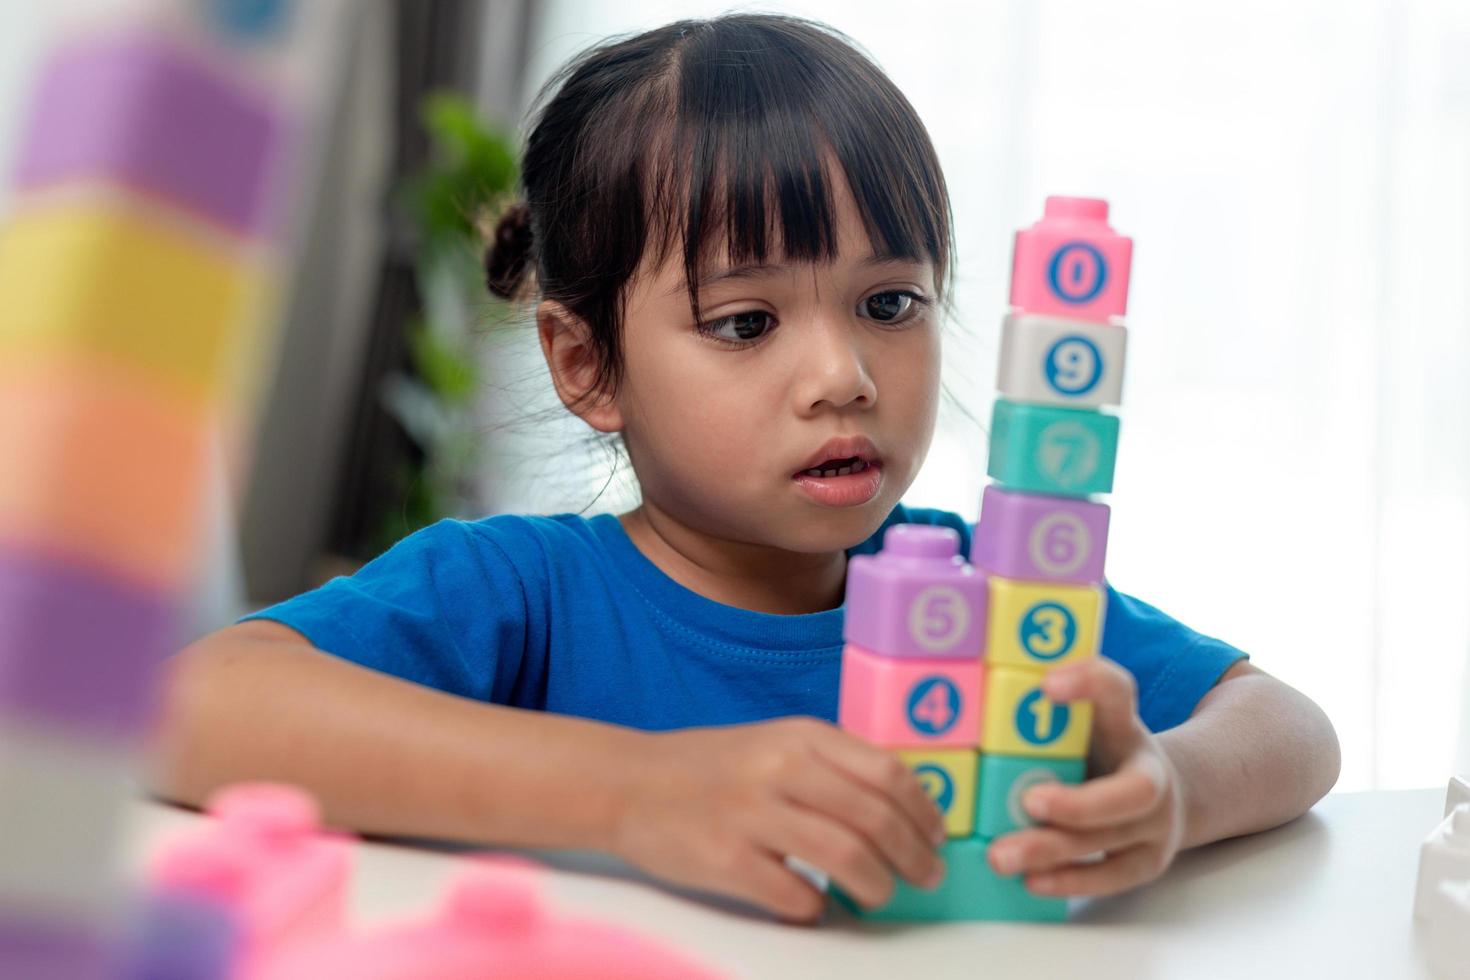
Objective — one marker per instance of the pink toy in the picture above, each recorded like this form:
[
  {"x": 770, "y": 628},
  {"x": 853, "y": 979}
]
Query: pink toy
[
  {"x": 917, "y": 598},
  {"x": 266, "y": 861},
  {"x": 1071, "y": 263},
  {"x": 908, "y": 702},
  {"x": 1029, "y": 536},
  {"x": 491, "y": 925}
]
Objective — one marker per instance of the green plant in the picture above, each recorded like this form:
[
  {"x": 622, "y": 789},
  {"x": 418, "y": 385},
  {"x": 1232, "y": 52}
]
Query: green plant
[{"x": 471, "y": 172}]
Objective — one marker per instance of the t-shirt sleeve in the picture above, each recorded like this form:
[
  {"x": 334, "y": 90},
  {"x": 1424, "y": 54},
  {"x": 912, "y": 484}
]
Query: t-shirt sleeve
[
  {"x": 444, "y": 607},
  {"x": 1174, "y": 666}
]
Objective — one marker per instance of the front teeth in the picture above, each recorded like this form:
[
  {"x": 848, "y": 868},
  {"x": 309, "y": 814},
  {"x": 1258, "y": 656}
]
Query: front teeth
[{"x": 857, "y": 467}]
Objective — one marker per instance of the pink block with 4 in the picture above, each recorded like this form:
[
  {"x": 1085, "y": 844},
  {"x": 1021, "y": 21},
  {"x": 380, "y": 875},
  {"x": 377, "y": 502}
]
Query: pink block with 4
[
  {"x": 1072, "y": 263},
  {"x": 1041, "y": 538},
  {"x": 908, "y": 702},
  {"x": 916, "y": 598}
]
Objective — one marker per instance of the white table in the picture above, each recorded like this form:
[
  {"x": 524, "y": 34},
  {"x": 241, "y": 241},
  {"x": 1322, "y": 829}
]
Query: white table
[{"x": 1328, "y": 895}]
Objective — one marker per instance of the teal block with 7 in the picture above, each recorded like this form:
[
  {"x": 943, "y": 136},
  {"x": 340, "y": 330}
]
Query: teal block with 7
[
  {"x": 971, "y": 891},
  {"x": 1004, "y": 780},
  {"x": 1044, "y": 449}
]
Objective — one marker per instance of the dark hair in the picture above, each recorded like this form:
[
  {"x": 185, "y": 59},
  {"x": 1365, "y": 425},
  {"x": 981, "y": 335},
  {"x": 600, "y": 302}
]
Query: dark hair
[{"x": 629, "y": 150}]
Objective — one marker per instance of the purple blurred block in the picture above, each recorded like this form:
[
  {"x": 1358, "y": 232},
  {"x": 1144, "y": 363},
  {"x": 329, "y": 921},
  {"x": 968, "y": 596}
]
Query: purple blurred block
[
  {"x": 135, "y": 109},
  {"x": 917, "y": 597},
  {"x": 1041, "y": 538},
  {"x": 181, "y": 937},
  {"x": 79, "y": 648},
  {"x": 38, "y": 948}
]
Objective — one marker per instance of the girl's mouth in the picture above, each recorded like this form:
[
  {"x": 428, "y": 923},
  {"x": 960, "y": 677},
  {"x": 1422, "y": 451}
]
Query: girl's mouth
[
  {"x": 849, "y": 482},
  {"x": 838, "y": 467}
]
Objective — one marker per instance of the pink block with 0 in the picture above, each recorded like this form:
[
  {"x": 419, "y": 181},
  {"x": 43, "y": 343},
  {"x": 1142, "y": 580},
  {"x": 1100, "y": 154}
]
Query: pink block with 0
[
  {"x": 1041, "y": 538},
  {"x": 917, "y": 598},
  {"x": 909, "y": 702},
  {"x": 1072, "y": 263}
]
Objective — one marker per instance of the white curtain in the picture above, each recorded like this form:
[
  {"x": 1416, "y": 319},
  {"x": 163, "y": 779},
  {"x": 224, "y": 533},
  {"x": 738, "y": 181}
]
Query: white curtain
[{"x": 1294, "y": 473}]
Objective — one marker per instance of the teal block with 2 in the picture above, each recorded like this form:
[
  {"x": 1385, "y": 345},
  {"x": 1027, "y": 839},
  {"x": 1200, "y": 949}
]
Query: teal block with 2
[
  {"x": 971, "y": 890},
  {"x": 1004, "y": 779},
  {"x": 1045, "y": 449}
]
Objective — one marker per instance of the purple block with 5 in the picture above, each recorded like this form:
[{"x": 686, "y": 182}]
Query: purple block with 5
[{"x": 916, "y": 598}]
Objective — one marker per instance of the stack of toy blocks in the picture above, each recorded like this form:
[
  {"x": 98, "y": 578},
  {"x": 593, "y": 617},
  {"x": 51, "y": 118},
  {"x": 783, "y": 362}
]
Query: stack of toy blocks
[
  {"x": 944, "y": 660},
  {"x": 130, "y": 277}
]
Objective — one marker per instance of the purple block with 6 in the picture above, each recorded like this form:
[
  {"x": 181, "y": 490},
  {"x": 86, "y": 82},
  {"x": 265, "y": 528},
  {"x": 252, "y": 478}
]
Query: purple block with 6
[
  {"x": 1036, "y": 537},
  {"x": 917, "y": 597}
]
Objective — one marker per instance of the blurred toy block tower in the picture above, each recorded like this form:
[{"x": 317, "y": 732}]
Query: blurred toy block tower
[{"x": 944, "y": 659}]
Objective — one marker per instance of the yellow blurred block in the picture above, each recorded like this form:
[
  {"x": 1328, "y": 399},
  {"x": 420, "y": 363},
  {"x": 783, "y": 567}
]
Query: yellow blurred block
[
  {"x": 1019, "y": 720},
  {"x": 949, "y": 776},
  {"x": 108, "y": 277},
  {"x": 99, "y": 467},
  {"x": 1040, "y": 625}
]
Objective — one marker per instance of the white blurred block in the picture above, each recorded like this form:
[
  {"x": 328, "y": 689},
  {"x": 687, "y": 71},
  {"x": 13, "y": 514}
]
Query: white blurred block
[
  {"x": 61, "y": 806},
  {"x": 1448, "y": 933},
  {"x": 1458, "y": 792},
  {"x": 814, "y": 875},
  {"x": 1050, "y": 360},
  {"x": 1444, "y": 856}
]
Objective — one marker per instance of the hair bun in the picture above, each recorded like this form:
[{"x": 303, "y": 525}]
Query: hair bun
[{"x": 509, "y": 251}]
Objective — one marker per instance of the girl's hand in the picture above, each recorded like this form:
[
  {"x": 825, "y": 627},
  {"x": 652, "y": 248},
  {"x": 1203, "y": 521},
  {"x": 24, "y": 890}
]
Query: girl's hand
[
  {"x": 721, "y": 808},
  {"x": 1135, "y": 813}
]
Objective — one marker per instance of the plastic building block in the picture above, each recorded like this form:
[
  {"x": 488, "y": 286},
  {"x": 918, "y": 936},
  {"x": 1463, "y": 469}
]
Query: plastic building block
[
  {"x": 1444, "y": 856},
  {"x": 1448, "y": 932},
  {"x": 78, "y": 648},
  {"x": 136, "y": 110},
  {"x": 916, "y": 598},
  {"x": 113, "y": 474},
  {"x": 1048, "y": 360},
  {"x": 971, "y": 890},
  {"x": 814, "y": 875},
  {"x": 40, "y": 945},
  {"x": 1457, "y": 793},
  {"x": 908, "y": 702},
  {"x": 63, "y": 794},
  {"x": 948, "y": 776},
  {"x": 1071, "y": 263},
  {"x": 180, "y": 937},
  {"x": 1029, "y": 536},
  {"x": 265, "y": 860},
  {"x": 1044, "y": 449},
  {"x": 491, "y": 925},
  {"x": 107, "y": 278},
  {"x": 1041, "y": 625},
  {"x": 1020, "y": 720},
  {"x": 1004, "y": 780}
]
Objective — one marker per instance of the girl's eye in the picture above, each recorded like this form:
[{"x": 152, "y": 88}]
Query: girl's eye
[
  {"x": 738, "y": 328},
  {"x": 891, "y": 305}
]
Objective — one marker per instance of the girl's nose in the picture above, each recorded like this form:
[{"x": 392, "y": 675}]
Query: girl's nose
[{"x": 833, "y": 371}]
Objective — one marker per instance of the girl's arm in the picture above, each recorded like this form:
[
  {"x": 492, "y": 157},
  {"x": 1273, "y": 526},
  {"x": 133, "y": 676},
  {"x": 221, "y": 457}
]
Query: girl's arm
[{"x": 714, "y": 808}]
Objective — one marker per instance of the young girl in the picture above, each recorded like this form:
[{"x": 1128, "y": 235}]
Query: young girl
[{"x": 740, "y": 237}]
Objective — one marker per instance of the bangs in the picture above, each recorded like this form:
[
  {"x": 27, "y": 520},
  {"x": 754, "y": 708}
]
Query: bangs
[{"x": 760, "y": 122}]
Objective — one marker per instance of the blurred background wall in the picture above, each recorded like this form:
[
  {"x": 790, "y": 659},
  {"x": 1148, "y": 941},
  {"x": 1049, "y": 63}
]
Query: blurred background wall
[{"x": 1294, "y": 475}]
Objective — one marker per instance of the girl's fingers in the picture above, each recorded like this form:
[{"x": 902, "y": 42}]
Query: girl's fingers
[
  {"x": 885, "y": 773},
  {"x": 874, "y": 816},
  {"x": 848, "y": 858},
  {"x": 1044, "y": 848},
  {"x": 1120, "y": 871},
  {"x": 1126, "y": 795},
  {"x": 762, "y": 879}
]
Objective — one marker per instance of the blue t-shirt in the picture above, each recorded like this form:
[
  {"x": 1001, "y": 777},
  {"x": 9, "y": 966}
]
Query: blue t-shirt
[{"x": 563, "y": 613}]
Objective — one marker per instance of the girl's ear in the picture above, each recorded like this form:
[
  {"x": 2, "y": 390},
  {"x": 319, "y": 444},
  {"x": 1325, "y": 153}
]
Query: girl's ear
[{"x": 566, "y": 343}]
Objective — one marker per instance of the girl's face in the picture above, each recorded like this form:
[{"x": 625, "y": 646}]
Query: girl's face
[{"x": 794, "y": 368}]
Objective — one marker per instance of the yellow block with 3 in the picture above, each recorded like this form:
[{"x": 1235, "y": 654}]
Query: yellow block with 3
[
  {"x": 1041, "y": 625},
  {"x": 1020, "y": 720},
  {"x": 949, "y": 776}
]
